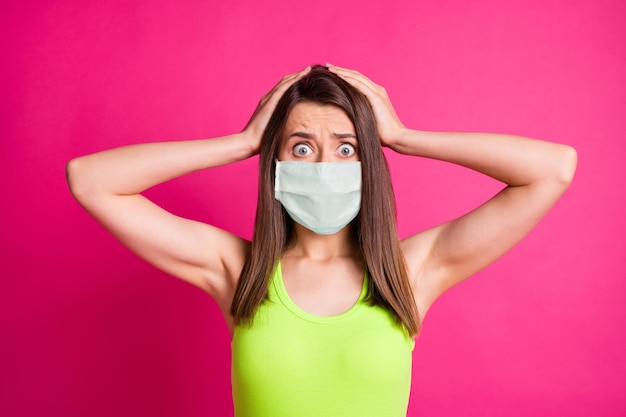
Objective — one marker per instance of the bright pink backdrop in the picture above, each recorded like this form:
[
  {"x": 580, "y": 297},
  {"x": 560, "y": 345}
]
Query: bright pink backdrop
[{"x": 87, "y": 329}]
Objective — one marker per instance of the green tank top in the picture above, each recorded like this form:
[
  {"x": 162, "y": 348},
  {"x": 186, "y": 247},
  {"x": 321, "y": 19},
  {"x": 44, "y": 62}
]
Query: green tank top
[{"x": 292, "y": 363}]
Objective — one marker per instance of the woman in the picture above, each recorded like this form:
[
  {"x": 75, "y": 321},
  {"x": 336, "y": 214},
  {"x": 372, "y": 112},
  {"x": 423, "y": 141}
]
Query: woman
[{"x": 324, "y": 303}]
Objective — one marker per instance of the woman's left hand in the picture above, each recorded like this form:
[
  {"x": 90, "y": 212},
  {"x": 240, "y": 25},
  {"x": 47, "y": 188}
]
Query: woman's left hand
[{"x": 389, "y": 125}]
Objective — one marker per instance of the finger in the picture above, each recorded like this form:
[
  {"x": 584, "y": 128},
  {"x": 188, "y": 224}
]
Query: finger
[
  {"x": 291, "y": 78},
  {"x": 348, "y": 72},
  {"x": 335, "y": 68},
  {"x": 357, "y": 80},
  {"x": 271, "y": 98},
  {"x": 285, "y": 83},
  {"x": 366, "y": 87}
]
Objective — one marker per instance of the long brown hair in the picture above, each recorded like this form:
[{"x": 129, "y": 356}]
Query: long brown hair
[{"x": 375, "y": 230}]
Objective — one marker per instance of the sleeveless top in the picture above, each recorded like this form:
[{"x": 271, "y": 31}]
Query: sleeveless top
[{"x": 290, "y": 363}]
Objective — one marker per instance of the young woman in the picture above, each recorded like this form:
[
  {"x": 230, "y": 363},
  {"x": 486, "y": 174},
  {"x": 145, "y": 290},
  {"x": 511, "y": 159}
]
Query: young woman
[{"x": 324, "y": 303}]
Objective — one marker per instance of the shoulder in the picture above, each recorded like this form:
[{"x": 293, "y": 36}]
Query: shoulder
[
  {"x": 233, "y": 254},
  {"x": 217, "y": 271}
]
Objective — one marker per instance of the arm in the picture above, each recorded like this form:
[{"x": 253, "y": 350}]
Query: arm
[
  {"x": 535, "y": 174},
  {"x": 109, "y": 184}
]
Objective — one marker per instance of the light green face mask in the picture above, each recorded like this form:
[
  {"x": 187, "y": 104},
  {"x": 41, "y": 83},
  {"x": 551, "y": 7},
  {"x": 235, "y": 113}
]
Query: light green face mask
[{"x": 321, "y": 196}]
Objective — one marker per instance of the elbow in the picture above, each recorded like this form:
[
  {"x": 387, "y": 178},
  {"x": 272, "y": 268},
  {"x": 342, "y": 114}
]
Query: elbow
[
  {"x": 76, "y": 178},
  {"x": 568, "y": 160}
]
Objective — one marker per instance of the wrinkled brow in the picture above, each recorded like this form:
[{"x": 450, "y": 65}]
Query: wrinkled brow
[{"x": 305, "y": 135}]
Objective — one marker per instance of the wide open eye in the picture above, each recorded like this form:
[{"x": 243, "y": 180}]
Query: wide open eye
[
  {"x": 302, "y": 149},
  {"x": 346, "y": 150}
]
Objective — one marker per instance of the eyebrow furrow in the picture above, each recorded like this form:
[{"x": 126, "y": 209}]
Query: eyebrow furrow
[
  {"x": 311, "y": 136},
  {"x": 344, "y": 135},
  {"x": 301, "y": 135}
]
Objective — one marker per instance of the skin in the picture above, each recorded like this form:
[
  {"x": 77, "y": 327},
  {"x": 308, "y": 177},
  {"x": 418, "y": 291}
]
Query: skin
[{"x": 323, "y": 274}]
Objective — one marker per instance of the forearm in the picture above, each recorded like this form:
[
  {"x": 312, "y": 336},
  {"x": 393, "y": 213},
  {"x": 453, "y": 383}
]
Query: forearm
[
  {"x": 135, "y": 168},
  {"x": 513, "y": 160}
]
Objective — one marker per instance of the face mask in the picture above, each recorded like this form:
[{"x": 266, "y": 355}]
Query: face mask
[{"x": 321, "y": 196}]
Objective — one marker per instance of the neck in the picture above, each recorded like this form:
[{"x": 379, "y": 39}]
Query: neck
[{"x": 309, "y": 244}]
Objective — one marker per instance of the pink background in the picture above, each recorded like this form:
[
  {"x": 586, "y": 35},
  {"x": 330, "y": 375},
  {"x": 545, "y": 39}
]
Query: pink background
[{"x": 87, "y": 329}]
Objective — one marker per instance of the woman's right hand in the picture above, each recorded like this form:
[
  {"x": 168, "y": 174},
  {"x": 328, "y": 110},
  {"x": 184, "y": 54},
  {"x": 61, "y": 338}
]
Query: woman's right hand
[{"x": 258, "y": 121}]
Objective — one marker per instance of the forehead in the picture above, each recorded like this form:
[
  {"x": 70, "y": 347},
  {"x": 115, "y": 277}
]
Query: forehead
[{"x": 310, "y": 115}]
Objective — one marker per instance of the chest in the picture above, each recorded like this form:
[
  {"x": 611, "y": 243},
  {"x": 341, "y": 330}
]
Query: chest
[
  {"x": 290, "y": 358},
  {"x": 281, "y": 347},
  {"x": 322, "y": 289}
]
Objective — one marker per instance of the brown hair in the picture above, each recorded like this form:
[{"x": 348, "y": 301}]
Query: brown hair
[{"x": 375, "y": 230}]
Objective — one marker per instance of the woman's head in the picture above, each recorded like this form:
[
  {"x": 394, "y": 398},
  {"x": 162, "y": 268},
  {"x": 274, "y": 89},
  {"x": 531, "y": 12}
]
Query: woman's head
[
  {"x": 322, "y": 87},
  {"x": 374, "y": 229},
  {"x": 316, "y": 132}
]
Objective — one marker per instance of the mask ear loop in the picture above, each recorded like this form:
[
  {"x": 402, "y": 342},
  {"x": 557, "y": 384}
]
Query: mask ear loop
[{"x": 276, "y": 171}]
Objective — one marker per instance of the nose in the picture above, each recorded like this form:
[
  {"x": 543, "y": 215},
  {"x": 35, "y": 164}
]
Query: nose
[
  {"x": 324, "y": 155},
  {"x": 327, "y": 152}
]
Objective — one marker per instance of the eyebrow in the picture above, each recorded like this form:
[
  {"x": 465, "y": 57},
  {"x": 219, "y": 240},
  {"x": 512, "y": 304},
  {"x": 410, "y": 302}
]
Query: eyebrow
[{"x": 305, "y": 135}]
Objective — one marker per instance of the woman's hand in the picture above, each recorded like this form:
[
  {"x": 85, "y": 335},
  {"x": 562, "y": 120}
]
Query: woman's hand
[
  {"x": 258, "y": 121},
  {"x": 389, "y": 125}
]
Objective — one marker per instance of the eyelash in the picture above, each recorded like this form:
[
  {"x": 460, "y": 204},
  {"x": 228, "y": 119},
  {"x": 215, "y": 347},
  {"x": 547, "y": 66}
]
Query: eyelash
[
  {"x": 353, "y": 149},
  {"x": 301, "y": 144}
]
